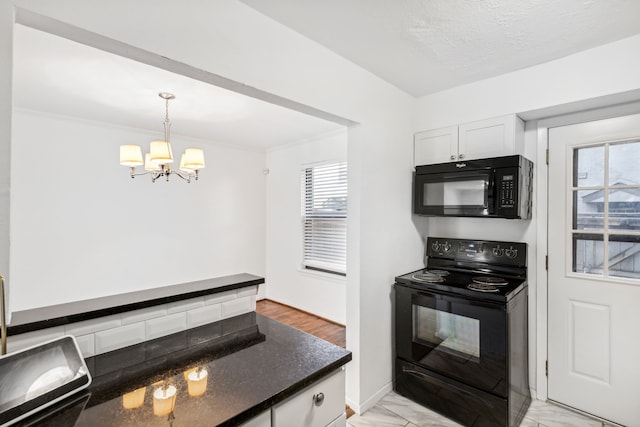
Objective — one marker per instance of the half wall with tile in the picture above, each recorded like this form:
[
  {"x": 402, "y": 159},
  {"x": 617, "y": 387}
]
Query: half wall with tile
[{"x": 113, "y": 327}]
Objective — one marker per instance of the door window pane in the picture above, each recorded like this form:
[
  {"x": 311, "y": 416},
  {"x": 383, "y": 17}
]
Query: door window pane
[
  {"x": 589, "y": 167},
  {"x": 624, "y": 257},
  {"x": 588, "y": 254},
  {"x": 588, "y": 209},
  {"x": 624, "y": 209},
  {"x": 624, "y": 160}
]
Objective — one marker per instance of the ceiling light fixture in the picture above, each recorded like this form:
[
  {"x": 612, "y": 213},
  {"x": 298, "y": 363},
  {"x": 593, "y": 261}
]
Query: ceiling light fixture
[{"x": 159, "y": 158}]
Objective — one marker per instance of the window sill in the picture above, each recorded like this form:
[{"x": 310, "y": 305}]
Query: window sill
[{"x": 321, "y": 275}]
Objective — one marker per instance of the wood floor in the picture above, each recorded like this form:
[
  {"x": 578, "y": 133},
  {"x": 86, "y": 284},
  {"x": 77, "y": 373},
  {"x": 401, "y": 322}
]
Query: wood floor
[{"x": 307, "y": 322}]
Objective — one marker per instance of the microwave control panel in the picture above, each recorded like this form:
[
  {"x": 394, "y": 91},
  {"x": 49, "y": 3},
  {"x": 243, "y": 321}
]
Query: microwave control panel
[{"x": 507, "y": 183}]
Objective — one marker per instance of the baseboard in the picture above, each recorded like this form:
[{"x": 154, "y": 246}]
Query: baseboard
[{"x": 370, "y": 402}]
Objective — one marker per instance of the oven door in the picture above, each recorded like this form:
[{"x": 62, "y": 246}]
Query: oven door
[
  {"x": 454, "y": 193},
  {"x": 463, "y": 339}
]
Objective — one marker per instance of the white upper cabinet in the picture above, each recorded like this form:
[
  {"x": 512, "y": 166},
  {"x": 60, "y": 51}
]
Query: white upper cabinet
[
  {"x": 499, "y": 136},
  {"x": 435, "y": 146}
]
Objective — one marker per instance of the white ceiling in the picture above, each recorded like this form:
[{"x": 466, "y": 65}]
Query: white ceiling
[
  {"x": 425, "y": 46},
  {"x": 420, "y": 46},
  {"x": 56, "y": 75}
]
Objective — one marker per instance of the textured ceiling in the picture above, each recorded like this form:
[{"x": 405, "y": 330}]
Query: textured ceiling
[{"x": 425, "y": 46}]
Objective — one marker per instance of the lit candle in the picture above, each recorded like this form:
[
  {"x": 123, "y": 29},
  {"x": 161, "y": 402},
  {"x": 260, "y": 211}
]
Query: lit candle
[
  {"x": 197, "y": 382},
  {"x": 164, "y": 400},
  {"x": 134, "y": 399},
  {"x": 187, "y": 372}
]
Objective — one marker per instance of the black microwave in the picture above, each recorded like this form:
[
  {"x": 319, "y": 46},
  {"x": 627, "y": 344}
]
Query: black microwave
[{"x": 498, "y": 187}]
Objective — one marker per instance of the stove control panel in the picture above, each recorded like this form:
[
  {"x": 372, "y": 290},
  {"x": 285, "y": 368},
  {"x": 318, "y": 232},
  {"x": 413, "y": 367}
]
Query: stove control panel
[
  {"x": 483, "y": 251},
  {"x": 441, "y": 247}
]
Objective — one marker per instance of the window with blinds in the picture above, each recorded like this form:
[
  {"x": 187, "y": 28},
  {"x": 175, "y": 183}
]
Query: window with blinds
[{"x": 324, "y": 218}]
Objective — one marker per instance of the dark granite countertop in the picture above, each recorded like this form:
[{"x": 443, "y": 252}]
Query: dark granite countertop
[
  {"x": 62, "y": 314},
  {"x": 253, "y": 363}
]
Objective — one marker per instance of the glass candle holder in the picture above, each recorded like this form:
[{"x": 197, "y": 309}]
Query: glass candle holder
[{"x": 197, "y": 382}]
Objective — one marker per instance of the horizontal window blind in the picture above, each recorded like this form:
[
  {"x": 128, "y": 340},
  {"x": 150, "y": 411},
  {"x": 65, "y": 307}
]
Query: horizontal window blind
[{"x": 324, "y": 218}]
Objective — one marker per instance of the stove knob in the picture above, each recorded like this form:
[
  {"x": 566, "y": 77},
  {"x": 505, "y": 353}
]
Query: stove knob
[
  {"x": 498, "y": 251},
  {"x": 435, "y": 246},
  {"x": 446, "y": 246},
  {"x": 511, "y": 253}
]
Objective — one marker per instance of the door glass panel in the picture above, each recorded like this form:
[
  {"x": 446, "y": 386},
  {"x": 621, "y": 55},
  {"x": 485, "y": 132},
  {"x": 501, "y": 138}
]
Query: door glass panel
[
  {"x": 624, "y": 209},
  {"x": 624, "y": 160},
  {"x": 589, "y": 167},
  {"x": 588, "y": 209},
  {"x": 624, "y": 257},
  {"x": 588, "y": 253},
  {"x": 610, "y": 206},
  {"x": 456, "y": 193},
  {"x": 447, "y": 332}
]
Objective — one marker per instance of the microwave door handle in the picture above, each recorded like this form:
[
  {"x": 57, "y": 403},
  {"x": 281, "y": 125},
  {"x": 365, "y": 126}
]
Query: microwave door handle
[{"x": 491, "y": 193}]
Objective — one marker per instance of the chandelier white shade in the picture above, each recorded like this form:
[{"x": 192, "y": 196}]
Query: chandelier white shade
[
  {"x": 130, "y": 155},
  {"x": 157, "y": 161}
]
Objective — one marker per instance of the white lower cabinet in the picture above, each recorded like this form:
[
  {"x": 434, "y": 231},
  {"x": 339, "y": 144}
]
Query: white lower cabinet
[
  {"x": 262, "y": 420},
  {"x": 320, "y": 405},
  {"x": 341, "y": 421}
]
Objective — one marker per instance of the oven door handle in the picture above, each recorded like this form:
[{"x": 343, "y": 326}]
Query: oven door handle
[
  {"x": 431, "y": 300},
  {"x": 435, "y": 381}
]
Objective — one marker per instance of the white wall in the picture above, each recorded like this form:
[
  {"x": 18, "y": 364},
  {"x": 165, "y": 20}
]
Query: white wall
[
  {"x": 82, "y": 228},
  {"x": 230, "y": 39},
  {"x": 319, "y": 293},
  {"x": 609, "y": 69},
  {"x": 589, "y": 79},
  {"x": 6, "y": 48}
]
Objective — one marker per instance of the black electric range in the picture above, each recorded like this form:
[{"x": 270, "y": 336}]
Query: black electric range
[{"x": 461, "y": 332}]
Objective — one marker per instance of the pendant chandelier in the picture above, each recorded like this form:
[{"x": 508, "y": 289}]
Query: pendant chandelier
[{"x": 157, "y": 162}]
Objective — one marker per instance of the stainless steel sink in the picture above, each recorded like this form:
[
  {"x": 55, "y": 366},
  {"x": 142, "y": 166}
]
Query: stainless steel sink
[{"x": 40, "y": 376}]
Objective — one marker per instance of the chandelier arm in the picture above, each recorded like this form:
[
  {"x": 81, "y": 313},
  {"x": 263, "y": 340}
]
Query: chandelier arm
[
  {"x": 133, "y": 173},
  {"x": 155, "y": 175},
  {"x": 183, "y": 175}
]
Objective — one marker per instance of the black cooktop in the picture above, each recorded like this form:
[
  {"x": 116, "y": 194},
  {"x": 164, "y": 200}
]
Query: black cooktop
[
  {"x": 481, "y": 269},
  {"x": 457, "y": 283}
]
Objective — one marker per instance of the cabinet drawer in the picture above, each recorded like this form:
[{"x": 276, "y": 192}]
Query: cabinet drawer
[
  {"x": 341, "y": 421},
  {"x": 301, "y": 409},
  {"x": 262, "y": 420}
]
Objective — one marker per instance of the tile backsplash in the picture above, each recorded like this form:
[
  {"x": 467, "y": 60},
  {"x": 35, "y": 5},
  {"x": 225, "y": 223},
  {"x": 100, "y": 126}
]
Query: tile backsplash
[{"x": 104, "y": 334}]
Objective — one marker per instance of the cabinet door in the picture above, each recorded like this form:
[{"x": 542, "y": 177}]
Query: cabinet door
[
  {"x": 341, "y": 421},
  {"x": 307, "y": 409},
  {"x": 435, "y": 146},
  {"x": 262, "y": 420},
  {"x": 500, "y": 136}
]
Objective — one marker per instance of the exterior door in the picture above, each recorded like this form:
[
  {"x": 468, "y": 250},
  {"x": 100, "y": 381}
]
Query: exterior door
[{"x": 594, "y": 268}]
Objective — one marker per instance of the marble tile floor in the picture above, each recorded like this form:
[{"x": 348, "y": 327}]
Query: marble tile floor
[{"x": 394, "y": 410}]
